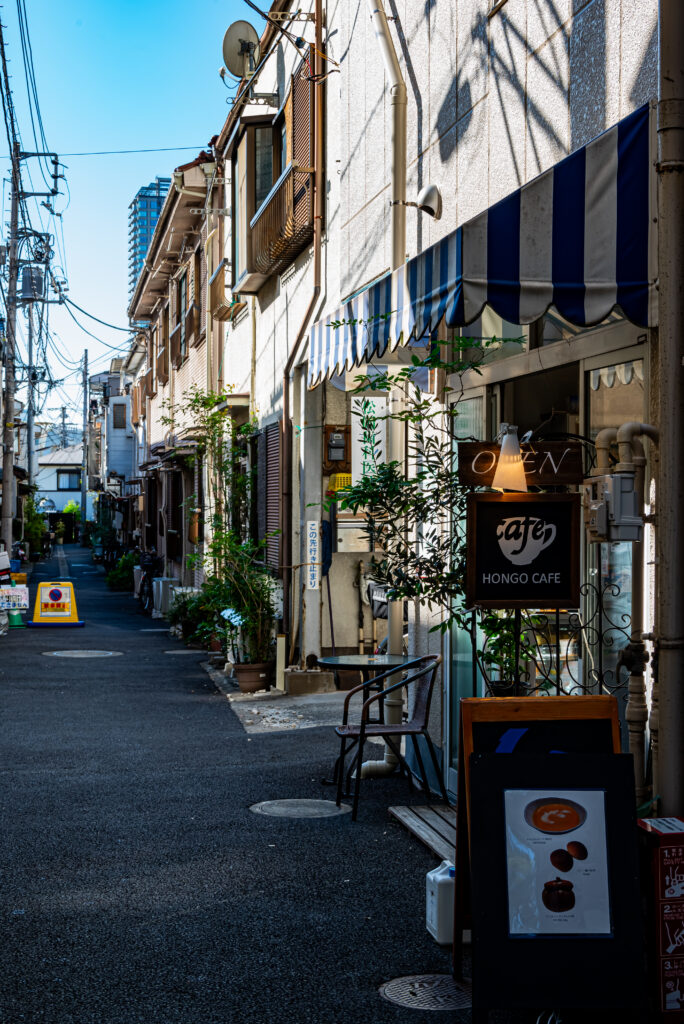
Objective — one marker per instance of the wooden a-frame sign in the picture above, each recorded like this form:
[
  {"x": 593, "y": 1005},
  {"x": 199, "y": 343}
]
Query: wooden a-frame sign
[{"x": 523, "y": 725}]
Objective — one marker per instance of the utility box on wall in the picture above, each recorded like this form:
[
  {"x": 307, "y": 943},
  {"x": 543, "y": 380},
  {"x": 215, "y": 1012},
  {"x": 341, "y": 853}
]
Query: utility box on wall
[{"x": 336, "y": 449}]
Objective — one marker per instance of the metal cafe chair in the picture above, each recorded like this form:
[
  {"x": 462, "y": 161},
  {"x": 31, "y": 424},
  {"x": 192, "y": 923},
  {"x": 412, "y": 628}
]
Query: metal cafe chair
[{"x": 418, "y": 682}]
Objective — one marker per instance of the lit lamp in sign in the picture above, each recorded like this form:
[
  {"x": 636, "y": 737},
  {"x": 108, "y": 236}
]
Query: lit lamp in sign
[{"x": 510, "y": 470}]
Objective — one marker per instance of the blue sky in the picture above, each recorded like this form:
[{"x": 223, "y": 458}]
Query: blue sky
[{"x": 110, "y": 76}]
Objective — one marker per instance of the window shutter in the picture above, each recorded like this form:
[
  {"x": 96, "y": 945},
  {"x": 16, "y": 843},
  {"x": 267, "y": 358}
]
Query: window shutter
[
  {"x": 302, "y": 115},
  {"x": 273, "y": 494},
  {"x": 261, "y": 485}
]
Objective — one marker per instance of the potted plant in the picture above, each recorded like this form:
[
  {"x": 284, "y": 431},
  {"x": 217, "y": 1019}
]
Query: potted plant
[
  {"x": 60, "y": 530},
  {"x": 250, "y": 618}
]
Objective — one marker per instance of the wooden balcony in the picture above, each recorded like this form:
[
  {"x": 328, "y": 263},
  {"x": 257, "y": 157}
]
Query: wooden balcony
[{"x": 282, "y": 227}]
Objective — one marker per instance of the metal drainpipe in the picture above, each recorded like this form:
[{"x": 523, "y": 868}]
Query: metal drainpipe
[
  {"x": 670, "y": 495},
  {"x": 286, "y": 436},
  {"x": 633, "y": 460},
  {"x": 604, "y": 439},
  {"x": 396, "y": 443}
]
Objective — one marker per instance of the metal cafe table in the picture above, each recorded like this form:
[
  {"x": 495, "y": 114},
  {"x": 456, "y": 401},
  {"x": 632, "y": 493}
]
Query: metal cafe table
[{"x": 367, "y": 664}]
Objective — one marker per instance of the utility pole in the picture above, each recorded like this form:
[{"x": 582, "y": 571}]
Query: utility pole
[
  {"x": 669, "y": 714},
  {"x": 63, "y": 438},
  {"x": 84, "y": 462},
  {"x": 30, "y": 405},
  {"x": 8, "y": 499}
]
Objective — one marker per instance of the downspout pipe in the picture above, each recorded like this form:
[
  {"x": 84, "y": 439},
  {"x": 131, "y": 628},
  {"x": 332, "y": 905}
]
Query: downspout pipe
[
  {"x": 626, "y": 447},
  {"x": 604, "y": 439},
  {"x": 396, "y": 442},
  {"x": 286, "y": 436},
  {"x": 398, "y": 100},
  {"x": 670, "y": 495}
]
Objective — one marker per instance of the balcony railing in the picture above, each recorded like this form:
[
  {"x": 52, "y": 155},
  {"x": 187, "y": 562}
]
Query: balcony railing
[{"x": 283, "y": 225}]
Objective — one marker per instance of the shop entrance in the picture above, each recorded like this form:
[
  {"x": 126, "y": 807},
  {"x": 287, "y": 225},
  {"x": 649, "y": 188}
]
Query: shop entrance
[{"x": 576, "y": 651}]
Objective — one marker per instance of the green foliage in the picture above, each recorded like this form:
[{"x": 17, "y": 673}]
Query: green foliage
[
  {"x": 73, "y": 507},
  {"x": 121, "y": 576},
  {"x": 416, "y": 518},
  {"x": 34, "y": 524},
  {"x": 60, "y": 528}
]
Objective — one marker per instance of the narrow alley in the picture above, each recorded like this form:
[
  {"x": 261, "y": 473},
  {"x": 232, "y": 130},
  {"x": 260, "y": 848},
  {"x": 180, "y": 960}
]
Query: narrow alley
[{"x": 138, "y": 886}]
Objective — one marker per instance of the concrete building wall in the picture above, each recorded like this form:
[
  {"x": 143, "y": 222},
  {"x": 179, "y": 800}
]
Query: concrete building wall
[{"x": 492, "y": 102}]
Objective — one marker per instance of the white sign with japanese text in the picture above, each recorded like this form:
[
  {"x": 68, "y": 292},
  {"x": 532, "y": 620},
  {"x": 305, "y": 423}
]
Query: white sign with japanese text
[
  {"x": 12, "y": 598},
  {"x": 313, "y": 555}
]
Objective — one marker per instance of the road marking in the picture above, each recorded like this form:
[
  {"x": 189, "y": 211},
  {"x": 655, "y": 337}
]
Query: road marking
[{"x": 82, "y": 654}]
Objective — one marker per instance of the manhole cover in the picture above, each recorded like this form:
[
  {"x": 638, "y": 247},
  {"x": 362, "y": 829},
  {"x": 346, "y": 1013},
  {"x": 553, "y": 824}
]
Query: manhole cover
[
  {"x": 300, "y": 808},
  {"x": 82, "y": 654},
  {"x": 428, "y": 992}
]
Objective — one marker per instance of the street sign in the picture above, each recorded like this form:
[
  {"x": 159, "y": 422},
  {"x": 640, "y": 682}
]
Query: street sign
[
  {"x": 547, "y": 463},
  {"x": 523, "y": 550},
  {"x": 55, "y": 606}
]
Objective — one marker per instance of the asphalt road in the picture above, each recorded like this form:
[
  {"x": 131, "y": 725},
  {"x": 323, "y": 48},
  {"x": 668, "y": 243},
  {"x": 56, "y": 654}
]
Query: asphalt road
[{"x": 137, "y": 886}]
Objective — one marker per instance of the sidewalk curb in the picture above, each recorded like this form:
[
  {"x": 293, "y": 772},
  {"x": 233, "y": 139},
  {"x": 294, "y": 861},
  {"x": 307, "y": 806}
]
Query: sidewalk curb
[{"x": 219, "y": 680}]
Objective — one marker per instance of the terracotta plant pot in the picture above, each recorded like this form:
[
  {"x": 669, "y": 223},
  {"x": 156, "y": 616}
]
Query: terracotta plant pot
[{"x": 254, "y": 677}]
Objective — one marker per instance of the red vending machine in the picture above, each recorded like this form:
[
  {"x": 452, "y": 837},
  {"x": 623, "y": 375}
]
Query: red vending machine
[{"x": 664, "y": 843}]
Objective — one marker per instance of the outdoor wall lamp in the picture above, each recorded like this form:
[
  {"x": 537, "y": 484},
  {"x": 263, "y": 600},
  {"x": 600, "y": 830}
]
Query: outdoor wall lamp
[
  {"x": 510, "y": 470},
  {"x": 429, "y": 201}
]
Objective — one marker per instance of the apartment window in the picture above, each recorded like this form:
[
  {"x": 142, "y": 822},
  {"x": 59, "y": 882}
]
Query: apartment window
[
  {"x": 272, "y": 203},
  {"x": 263, "y": 163},
  {"x": 119, "y": 416},
  {"x": 68, "y": 481}
]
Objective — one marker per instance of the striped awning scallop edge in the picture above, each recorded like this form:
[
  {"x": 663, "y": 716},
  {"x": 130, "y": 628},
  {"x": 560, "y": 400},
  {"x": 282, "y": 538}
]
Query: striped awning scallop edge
[{"x": 580, "y": 237}]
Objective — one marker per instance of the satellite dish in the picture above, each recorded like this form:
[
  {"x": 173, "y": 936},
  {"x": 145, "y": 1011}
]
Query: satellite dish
[{"x": 241, "y": 49}]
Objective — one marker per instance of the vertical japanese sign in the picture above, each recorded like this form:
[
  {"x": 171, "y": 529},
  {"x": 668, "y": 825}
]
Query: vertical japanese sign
[
  {"x": 368, "y": 435},
  {"x": 313, "y": 554}
]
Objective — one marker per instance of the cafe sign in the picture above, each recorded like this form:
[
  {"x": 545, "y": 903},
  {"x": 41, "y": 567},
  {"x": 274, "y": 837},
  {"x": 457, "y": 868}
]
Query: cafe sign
[
  {"x": 547, "y": 463},
  {"x": 523, "y": 550}
]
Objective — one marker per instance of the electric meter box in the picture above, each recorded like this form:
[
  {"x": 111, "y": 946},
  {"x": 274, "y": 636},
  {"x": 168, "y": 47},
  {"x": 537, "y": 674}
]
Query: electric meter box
[{"x": 611, "y": 509}]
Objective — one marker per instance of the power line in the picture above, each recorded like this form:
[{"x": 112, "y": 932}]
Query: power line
[
  {"x": 119, "y": 152},
  {"x": 114, "y": 348},
  {"x": 126, "y": 330}
]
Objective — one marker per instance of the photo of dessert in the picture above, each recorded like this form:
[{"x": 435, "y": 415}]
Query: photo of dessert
[
  {"x": 558, "y": 896},
  {"x": 563, "y": 860}
]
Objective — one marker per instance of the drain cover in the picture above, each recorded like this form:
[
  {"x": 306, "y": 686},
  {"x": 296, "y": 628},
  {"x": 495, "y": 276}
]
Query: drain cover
[
  {"x": 428, "y": 992},
  {"x": 82, "y": 654},
  {"x": 300, "y": 808}
]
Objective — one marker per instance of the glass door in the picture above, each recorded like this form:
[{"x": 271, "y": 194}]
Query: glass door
[
  {"x": 461, "y": 679},
  {"x": 614, "y": 393}
]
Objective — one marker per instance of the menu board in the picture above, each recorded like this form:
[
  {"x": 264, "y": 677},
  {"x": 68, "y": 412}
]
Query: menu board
[
  {"x": 556, "y": 860},
  {"x": 556, "y": 901}
]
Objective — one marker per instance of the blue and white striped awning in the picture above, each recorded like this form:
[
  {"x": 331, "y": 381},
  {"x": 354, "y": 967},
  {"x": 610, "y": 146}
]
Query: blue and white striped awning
[{"x": 580, "y": 237}]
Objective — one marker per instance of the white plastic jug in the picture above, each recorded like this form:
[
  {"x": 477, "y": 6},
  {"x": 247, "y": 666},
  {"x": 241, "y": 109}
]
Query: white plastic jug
[{"x": 439, "y": 902}]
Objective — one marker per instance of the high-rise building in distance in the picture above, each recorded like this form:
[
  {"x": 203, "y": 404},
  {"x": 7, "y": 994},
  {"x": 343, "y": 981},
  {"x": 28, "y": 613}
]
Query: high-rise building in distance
[{"x": 143, "y": 214}]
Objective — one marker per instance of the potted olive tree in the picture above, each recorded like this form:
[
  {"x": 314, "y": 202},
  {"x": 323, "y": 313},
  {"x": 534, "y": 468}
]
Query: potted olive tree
[
  {"x": 250, "y": 619},
  {"x": 60, "y": 530}
]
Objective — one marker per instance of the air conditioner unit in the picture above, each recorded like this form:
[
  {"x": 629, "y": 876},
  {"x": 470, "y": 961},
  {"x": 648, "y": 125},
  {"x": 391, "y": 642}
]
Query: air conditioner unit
[{"x": 161, "y": 589}]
